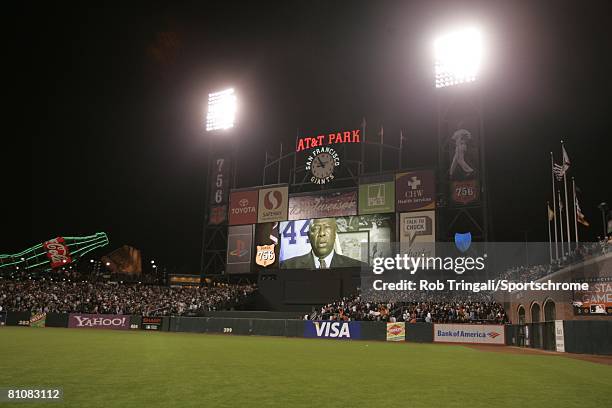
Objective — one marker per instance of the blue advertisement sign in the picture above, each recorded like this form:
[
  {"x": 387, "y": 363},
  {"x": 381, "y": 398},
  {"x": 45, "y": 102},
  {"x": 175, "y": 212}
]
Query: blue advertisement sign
[{"x": 332, "y": 329}]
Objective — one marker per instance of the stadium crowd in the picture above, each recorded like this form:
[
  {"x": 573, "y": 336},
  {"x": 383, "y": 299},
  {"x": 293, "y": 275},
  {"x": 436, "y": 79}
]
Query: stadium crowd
[
  {"x": 535, "y": 272},
  {"x": 429, "y": 307},
  {"x": 45, "y": 295}
]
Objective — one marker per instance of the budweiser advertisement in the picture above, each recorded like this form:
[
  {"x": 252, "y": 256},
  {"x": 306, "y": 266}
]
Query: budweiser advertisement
[
  {"x": 57, "y": 252},
  {"x": 98, "y": 321},
  {"x": 273, "y": 204},
  {"x": 243, "y": 207},
  {"x": 323, "y": 205}
]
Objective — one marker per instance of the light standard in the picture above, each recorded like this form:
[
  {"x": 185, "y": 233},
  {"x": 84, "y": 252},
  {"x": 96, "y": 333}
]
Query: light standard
[
  {"x": 462, "y": 192},
  {"x": 220, "y": 117}
]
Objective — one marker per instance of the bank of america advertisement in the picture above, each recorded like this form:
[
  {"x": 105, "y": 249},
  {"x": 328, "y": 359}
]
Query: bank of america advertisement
[
  {"x": 470, "y": 333},
  {"x": 345, "y": 241},
  {"x": 377, "y": 195},
  {"x": 332, "y": 329},
  {"x": 417, "y": 232}
]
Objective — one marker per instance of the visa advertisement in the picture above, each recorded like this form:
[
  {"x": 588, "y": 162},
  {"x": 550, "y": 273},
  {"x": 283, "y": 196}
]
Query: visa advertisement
[{"x": 332, "y": 329}]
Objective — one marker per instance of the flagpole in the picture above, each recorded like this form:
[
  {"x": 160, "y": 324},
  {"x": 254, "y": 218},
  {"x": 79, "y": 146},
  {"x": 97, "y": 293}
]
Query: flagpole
[
  {"x": 575, "y": 212},
  {"x": 549, "y": 234},
  {"x": 569, "y": 239},
  {"x": 552, "y": 173},
  {"x": 561, "y": 225}
]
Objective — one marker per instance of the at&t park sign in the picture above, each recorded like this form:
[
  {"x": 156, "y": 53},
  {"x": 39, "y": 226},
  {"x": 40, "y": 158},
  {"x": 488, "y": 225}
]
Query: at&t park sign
[{"x": 347, "y": 136}]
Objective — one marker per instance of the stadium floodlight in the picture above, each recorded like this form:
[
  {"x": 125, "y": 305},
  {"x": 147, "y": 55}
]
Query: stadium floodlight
[
  {"x": 221, "y": 110},
  {"x": 458, "y": 56}
]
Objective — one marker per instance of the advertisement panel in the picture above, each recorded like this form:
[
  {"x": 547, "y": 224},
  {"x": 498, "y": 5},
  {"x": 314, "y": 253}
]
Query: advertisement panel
[
  {"x": 559, "y": 336},
  {"x": 243, "y": 207},
  {"x": 151, "y": 323},
  {"x": 219, "y": 181},
  {"x": 377, "y": 195},
  {"x": 470, "y": 333},
  {"x": 596, "y": 301},
  {"x": 415, "y": 190},
  {"x": 266, "y": 246},
  {"x": 273, "y": 204},
  {"x": 239, "y": 248},
  {"x": 98, "y": 321},
  {"x": 38, "y": 320},
  {"x": 57, "y": 252},
  {"x": 322, "y": 205},
  {"x": 344, "y": 245},
  {"x": 417, "y": 232},
  {"x": 396, "y": 331},
  {"x": 332, "y": 329}
]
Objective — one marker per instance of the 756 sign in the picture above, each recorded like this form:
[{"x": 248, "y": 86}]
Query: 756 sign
[
  {"x": 465, "y": 192},
  {"x": 219, "y": 193}
]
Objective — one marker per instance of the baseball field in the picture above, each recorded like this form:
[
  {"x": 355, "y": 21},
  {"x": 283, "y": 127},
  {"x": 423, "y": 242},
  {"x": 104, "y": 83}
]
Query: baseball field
[{"x": 106, "y": 368}]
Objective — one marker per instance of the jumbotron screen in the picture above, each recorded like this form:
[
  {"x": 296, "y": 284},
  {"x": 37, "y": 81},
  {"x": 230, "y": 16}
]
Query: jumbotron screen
[{"x": 337, "y": 241}]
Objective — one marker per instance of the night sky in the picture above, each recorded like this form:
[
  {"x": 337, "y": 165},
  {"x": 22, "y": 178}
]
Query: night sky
[{"x": 115, "y": 116}]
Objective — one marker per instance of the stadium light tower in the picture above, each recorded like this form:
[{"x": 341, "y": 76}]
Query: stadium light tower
[
  {"x": 458, "y": 57},
  {"x": 221, "y": 110},
  {"x": 221, "y": 163}
]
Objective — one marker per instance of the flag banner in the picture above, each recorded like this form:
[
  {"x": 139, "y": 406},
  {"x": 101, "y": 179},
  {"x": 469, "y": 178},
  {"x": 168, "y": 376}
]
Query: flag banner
[
  {"x": 551, "y": 213},
  {"x": 580, "y": 216}
]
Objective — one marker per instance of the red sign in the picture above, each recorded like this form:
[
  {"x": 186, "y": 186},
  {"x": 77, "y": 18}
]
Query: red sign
[
  {"x": 243, "y": 207},
  {"x": 57, "y": 252},
  {"x": 465, "y": 192},
  {"x": 347, "y": 136}
]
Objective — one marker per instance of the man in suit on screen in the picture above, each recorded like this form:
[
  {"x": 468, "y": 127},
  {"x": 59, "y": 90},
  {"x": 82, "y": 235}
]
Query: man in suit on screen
[{"x": 322, "y": 236}]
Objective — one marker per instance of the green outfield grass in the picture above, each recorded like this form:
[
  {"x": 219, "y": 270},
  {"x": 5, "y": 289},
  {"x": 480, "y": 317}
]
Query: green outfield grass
[{"x": 105, "y": 368}]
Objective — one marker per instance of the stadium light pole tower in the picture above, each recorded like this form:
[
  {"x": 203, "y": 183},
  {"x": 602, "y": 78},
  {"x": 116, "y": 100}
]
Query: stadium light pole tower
[
  {"x": 220, "y": 120},
  {"x": 462, "y": 194}
]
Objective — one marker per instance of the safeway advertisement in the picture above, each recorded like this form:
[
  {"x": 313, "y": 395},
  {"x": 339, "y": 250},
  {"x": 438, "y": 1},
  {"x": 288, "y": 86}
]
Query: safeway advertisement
[{"x": 470, "y": 333}]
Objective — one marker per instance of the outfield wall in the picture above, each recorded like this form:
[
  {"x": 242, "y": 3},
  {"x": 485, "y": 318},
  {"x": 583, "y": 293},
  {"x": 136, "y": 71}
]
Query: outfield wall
[{"x": 592, "y": 337}]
